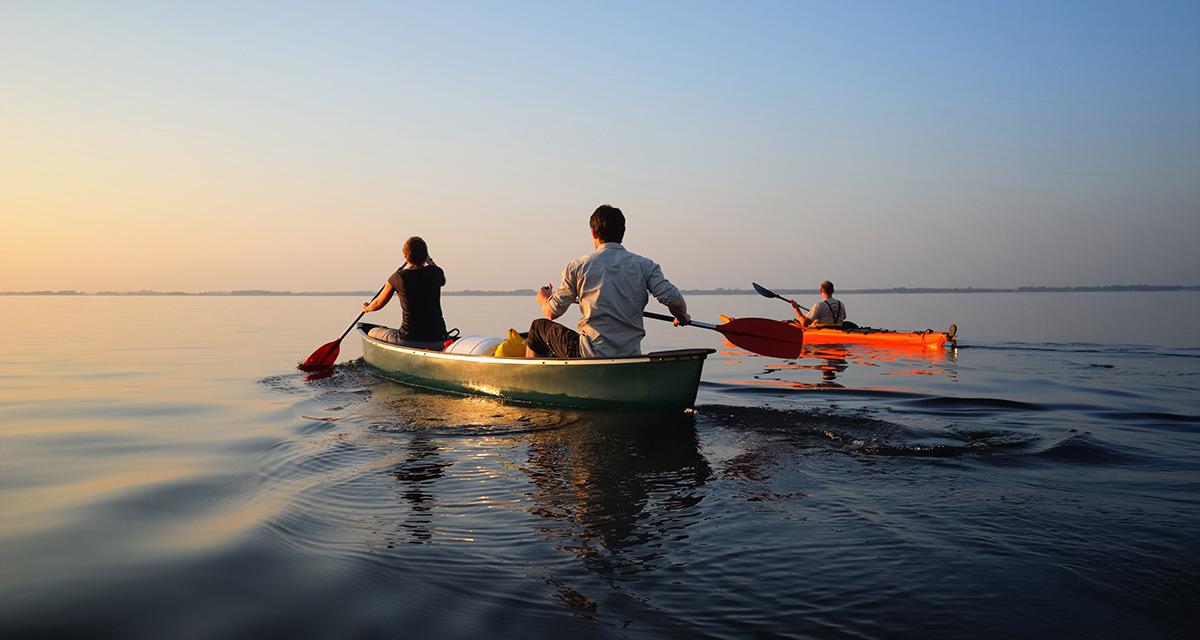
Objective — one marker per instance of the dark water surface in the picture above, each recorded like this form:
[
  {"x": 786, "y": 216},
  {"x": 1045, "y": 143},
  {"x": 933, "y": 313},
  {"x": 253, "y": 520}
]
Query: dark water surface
[{"x": 165, "y": 472}]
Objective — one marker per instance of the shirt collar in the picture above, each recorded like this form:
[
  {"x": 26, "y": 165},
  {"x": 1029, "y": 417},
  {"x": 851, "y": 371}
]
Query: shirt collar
[{"x": 611, "y": 245}]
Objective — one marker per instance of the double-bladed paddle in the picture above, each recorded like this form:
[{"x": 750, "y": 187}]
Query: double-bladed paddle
[
  {"x": 771, "y": 338},
  {"x": 767, "y": 293},
  {"x": 326, "y": 355}
]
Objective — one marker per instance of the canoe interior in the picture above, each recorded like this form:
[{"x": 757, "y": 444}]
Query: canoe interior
[{"x": 660, "y": 381}]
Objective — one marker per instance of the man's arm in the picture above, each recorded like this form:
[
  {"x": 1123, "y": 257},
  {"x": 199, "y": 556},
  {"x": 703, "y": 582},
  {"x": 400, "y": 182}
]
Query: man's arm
[
  {"x": 543, "y": 297},
  {"x": 555, "y": 303},
  {"x": 803, "y": 319},
  {"x": 678, "y": 308},
  {"x": 666, "y": 293}
]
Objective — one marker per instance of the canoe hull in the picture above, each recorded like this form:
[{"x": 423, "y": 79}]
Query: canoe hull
[{"x": 664, "y": 381}]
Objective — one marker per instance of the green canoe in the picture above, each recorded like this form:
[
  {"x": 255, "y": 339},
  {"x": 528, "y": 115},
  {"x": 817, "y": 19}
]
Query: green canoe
[{"x": 661, "y": 381}]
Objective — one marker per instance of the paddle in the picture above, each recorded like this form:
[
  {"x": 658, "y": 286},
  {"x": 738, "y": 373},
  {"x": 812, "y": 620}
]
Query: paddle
[
  {"x": 767, "y": 293},
  {"x": 770, "y": 338},
  {"x": 326, "y": 355}
]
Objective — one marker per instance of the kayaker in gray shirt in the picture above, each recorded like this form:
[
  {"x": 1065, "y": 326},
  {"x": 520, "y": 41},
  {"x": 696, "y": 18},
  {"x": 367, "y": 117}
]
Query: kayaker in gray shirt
[
  {"x": 829, "y": 312},
  {"x": 612, "y": 287}
]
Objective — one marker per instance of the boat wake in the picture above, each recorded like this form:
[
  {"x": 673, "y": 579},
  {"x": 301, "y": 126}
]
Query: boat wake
[
  {"x": 865, "y": 434},
  {"x": 352, "y": 395}
]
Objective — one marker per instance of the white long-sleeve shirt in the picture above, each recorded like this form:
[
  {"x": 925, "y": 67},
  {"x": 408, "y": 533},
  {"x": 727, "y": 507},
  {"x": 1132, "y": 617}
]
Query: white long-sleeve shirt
[{"x": 612, "y": 287}]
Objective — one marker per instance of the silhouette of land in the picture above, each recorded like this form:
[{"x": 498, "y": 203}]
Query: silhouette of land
[{"x": 694, "y": 292}]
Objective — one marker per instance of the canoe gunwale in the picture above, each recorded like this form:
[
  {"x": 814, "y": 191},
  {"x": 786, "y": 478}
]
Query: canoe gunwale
[{"x": 656, "y": 356}]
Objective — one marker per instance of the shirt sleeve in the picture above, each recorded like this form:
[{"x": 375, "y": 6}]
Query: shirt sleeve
[
  {"x": 812, "y": 311},
  {"x": 658, "y": 285},
  {"x": 397, "y": 281},
  {"x": 567, "y": 293}
]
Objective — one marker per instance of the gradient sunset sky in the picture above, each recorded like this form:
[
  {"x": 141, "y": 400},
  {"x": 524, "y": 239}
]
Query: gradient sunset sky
[{"x": 233, "y": 145}]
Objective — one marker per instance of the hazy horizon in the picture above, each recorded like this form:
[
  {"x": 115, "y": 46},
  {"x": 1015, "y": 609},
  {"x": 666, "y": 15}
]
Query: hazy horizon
[
  {"x": 1122, "y": 288},
  {"x": 224, "y": 146}
]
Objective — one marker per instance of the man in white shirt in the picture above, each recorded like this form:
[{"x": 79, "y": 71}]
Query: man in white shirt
[
  {"x": 829, "y": 312},
  {"x": 612, "y": 287}
]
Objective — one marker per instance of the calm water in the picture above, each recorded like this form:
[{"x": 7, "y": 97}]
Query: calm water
[{"x": 166, "y": 472}]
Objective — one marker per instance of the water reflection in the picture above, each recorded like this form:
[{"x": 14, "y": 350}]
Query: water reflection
[
  {"x": 422, "y": 465},
  {"x": 832, "y": 361},
  {"x": 835, "y": 361},
  {"x": 615, "y": 490}
]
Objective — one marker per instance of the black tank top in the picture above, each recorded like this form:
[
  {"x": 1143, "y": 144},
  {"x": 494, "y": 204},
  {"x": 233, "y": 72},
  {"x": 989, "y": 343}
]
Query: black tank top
[{"x": 420, "y": 294}]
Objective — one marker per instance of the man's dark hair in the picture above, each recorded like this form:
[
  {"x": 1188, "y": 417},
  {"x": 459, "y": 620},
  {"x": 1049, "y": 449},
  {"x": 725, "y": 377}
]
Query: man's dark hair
[
  {"x": 827, "y": 287},
  {"x": 608, "y": 223},
  {"x": 416, "y": 251}
]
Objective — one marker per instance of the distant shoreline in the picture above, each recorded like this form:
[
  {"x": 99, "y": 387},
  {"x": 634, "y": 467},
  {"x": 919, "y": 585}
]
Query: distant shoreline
[{"x": 1114, "y": 288}]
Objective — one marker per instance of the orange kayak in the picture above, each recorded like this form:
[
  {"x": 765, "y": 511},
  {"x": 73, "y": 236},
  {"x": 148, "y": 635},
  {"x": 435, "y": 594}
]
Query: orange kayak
[
  {"x": 880, "y": 337},
  {"x": 927, "y": 339}
]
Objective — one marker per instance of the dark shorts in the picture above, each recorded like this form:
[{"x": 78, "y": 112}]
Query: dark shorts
[{"x": 551, "y": 339}]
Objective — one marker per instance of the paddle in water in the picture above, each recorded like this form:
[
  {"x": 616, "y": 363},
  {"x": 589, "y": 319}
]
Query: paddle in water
[
  {"x": 326, "y": 355},
  {"x": 771, "y": 338}
]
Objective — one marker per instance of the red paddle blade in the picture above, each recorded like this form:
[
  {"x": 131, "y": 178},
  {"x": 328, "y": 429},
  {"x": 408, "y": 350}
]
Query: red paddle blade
[
  {"x": 324, "y": 357},
  {"x": 770, "y": 338}
]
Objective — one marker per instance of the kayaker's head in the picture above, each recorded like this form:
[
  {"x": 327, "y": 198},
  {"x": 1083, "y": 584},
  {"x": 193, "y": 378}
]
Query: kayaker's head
[
  {"x": 416, "y": 252},
  {"x": 608, "y": 225},
  {"x": 826, "y": 289}
]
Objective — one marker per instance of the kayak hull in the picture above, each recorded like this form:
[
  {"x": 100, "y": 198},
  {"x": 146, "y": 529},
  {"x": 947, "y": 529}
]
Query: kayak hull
[
  {"x": 923, "y": 339},
  {"x": 664, "y": 381}
]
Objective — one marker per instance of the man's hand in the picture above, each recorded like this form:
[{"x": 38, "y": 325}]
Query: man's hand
[
  {"x": 678, "y": 308},
  {"x": 366, "y": 308},
  {"x": 544, "y": 295}
]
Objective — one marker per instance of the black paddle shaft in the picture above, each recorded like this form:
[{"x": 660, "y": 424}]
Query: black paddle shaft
[
  {"x": 361, "y": 314},
  {"x": 767, "y": 293},
  {"x": 665, "y": 318}
]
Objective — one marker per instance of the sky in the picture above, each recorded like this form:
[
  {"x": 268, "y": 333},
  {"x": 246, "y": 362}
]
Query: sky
[{"x": 290, "y": 146}]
